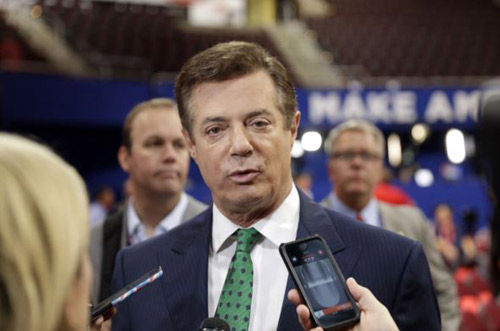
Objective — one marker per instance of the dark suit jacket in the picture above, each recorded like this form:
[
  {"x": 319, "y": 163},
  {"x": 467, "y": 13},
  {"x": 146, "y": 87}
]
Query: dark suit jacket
[
  {"x": 107, "y": 238},
  {"x": 394, "y": 268},
  {"x": 410, "y": 222}
]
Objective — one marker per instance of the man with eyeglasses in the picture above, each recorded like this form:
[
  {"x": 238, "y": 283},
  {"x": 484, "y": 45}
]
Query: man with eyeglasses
[{"x": 355, "y": 152}]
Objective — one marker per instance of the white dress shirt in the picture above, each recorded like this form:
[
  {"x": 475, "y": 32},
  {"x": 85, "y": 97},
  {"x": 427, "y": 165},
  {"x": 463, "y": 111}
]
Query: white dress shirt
[
  {"x": 97, "y": 214},
  {"x": 269, "y": 272},
  {"x": 370, "y": 213},
  {"x": 137, "y": 231}
]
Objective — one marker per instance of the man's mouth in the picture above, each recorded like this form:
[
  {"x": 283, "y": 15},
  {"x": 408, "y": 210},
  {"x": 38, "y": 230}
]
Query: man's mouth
[
  {"x": 166, "y": 173},
  {"x": 244, "y": 176}
]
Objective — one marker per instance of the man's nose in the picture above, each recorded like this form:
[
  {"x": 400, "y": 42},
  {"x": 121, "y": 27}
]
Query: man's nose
[
  {"x": 240, "y": 142},
  {"x": 357, "y": 159},
  {"x": 168, "y": 153}
]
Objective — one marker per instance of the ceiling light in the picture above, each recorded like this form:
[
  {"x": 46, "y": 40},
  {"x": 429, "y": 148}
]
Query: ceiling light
[
  {"x": 311, "y": 141},
  {"x": 455, "y": 146}
]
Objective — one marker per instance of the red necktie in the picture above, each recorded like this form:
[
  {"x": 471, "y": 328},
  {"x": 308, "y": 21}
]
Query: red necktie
[{"x": 359, "y": 217}]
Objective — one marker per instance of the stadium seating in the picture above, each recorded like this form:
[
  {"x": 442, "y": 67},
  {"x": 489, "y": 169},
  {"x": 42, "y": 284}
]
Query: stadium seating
[
  {"x": 413, "y": 37},
  {"x": 155, "y": 38}
]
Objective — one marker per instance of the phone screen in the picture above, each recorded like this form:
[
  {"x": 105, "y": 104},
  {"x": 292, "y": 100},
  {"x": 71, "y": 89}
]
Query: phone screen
[{"x": 322, "y": 286}]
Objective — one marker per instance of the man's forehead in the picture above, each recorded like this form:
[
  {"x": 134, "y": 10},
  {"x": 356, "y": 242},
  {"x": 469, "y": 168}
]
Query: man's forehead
[
  {"x": 210, "y": 98},
  {"x": 152, "y": 114},
  {"x": 346, "y": 136},
  {"x": 262, "y": 76},
  {"x": 148, "y": 123}
]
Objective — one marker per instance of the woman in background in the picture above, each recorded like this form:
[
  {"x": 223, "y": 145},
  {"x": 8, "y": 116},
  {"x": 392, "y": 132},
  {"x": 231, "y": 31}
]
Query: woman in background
[{"x": 44, "y": 268}]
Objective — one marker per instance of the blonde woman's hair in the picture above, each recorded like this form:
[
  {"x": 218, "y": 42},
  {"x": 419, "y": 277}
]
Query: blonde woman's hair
[{"x": 43, "y": 234}]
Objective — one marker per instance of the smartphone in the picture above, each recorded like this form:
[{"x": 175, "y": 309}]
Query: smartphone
[
  {"x": 124, "y": 293},
  {"x": 319, "y": 281}
]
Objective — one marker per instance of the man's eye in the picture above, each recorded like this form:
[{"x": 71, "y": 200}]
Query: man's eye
[
  {"x": 214, "y": 130},
  {"x": 154, "y": 143},
  {"x": 259, "y": 123},
  {"x": 179, "y": 145}
]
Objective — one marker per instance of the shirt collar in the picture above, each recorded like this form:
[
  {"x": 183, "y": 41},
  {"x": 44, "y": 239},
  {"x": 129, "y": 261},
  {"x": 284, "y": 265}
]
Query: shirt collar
[
  {"x": 280, "y": 226},
  {"x": 171, "y": 220},
  {"x": 133, "y": 221},
  {"x": 370, "y": 213}
]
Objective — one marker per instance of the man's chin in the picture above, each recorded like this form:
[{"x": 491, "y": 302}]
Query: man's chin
[
  {"x": 356, "y": 193},
  {"x": 168, "y": 190},
  {"x": 244, "y": 199}
]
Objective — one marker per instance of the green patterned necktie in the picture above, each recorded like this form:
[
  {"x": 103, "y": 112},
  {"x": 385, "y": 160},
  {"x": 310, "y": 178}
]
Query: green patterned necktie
[{"x": 236, "y": 296}]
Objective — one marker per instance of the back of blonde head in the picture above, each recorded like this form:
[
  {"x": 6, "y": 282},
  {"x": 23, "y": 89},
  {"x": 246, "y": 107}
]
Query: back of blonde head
[{"x": 43, "y": 234}]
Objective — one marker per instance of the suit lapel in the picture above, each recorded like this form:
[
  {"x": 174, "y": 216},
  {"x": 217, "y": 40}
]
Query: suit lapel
[
  {"x": 111, "y": 241},
  {"x": 185, "y": 281},
  {"x": 315, "y": 220},
  {"x": 186, "y": 266}
]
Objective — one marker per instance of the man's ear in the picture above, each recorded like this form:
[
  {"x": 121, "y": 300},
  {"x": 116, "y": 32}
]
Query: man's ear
[
  {"x": 190, "y": 144},
  {"x": 124, "y": 158},
  {"x": 380, "y": 173},
  {"x": 294, "y": 128}
]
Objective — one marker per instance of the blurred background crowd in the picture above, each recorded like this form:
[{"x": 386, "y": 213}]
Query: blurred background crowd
[{"x": 418, "y": 69}]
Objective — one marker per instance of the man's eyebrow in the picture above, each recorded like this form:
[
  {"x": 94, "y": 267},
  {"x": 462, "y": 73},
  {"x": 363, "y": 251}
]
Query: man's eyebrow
[
  {"x": 154, "y": 135},
  {"x": 258, "y": 112},
  {"x": 222, "y": 119},
  {"x": 213, "y": 119}
]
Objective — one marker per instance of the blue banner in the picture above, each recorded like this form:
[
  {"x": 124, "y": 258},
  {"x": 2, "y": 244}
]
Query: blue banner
[
  {"x": 438, "y": 107},
  {"x": 64, "y": 100}
]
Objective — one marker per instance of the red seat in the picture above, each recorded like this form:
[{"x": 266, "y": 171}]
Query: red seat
[
  {"x": 470, "y": 281},
  {"x": 489, "y": 313},
  {"x": 471, "y": 322}
]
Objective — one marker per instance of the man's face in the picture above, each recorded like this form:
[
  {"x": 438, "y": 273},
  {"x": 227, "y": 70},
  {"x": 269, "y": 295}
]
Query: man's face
[
  {"x": 443, "y": 216},
  {"x": 240, "y": 142},
  {"x": 107, "y": 198},
  {"x": 158, "y": 160},
  {"x": 355, "y": 168}
]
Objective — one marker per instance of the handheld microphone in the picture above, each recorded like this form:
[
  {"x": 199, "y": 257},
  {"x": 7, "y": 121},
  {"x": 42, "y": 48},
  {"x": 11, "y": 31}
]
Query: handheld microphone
[{"x": 214, "y": 324}]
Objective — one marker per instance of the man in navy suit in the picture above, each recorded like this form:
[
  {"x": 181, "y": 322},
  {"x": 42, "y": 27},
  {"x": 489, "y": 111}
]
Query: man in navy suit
[{"x": 240, "y": 118}]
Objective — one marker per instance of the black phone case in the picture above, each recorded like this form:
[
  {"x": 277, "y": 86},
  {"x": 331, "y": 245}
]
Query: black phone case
[
  {"x": 106, "y": 305},
  {"x": 300, "y": 288}
]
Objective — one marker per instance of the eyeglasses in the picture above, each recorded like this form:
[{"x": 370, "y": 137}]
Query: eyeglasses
[{"x": 349, "y": 156}]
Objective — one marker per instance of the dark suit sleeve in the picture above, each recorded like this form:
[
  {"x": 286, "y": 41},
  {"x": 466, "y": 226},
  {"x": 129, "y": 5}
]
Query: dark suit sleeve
[
  {"x": 121, "y": 320},
  {"x": 415, "y": 306}
]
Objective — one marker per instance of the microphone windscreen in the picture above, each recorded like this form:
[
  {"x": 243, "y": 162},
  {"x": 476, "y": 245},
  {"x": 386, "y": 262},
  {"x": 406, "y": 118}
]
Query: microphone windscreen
[{"x": 214, "y": 324}]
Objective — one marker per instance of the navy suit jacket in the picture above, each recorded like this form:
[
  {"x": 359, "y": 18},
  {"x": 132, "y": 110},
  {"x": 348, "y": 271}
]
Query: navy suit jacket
[{"x": 394, "y": 268}]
